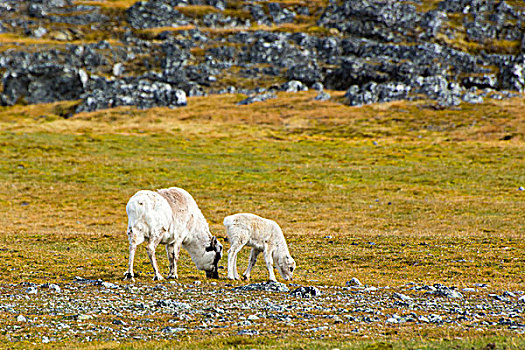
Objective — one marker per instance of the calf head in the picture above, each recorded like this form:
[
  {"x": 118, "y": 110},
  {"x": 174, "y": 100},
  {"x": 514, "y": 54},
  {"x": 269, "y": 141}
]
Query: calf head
[{"x": 286, "y": 266}]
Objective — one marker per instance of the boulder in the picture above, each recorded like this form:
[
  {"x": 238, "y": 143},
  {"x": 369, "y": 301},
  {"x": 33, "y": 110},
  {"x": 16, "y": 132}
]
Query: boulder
[
  {"x": 372, "y": 92},
  {"x": 41, "y": 83},
  {"x": 385, "y": 20},
  {"x": 138, "y": 92},
  {"x": 512, "y": 74},
  {"x": 307, "y": 73},
  {"x": 151, "y": 14}
]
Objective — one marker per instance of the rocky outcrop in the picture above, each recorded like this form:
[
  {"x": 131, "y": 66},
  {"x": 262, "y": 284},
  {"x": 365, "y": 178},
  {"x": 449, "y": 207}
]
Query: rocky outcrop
[
  {"x": 376, "y": 19},
  {"x": 141, "y": 93},
  {"x": 151, "y": 14},
  {"x": 46, "y": 82},
  {"x": 375, "y": 50}
]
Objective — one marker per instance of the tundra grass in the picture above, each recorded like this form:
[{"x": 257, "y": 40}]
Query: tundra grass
[{"x": 390, "y": 194}]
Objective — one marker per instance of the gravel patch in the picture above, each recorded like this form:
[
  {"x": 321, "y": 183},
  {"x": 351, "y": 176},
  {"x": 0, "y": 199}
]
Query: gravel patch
[{"x": 88, "y": 310}]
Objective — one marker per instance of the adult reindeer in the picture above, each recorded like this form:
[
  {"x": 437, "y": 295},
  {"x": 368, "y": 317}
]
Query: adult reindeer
[{"x": 171, "y": 217}]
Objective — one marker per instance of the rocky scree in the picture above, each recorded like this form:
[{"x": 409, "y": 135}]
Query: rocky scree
[
  {"x": 156, "y": 53},
  {"x": 96, "y": 310}
]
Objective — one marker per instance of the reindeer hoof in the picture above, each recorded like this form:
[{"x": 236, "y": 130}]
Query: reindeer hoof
[
  {"x": 158, "y": 278},
  {"x": 128, "y": 276}
]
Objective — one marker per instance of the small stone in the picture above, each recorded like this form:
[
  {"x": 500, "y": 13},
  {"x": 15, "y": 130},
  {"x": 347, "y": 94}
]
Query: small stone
[
  {"x": 31, "y": 290},
  {"x": 253, "y": 318},
  {"x": 337, "y": 319},
  {"x": 521, "y": 299},
  {"x": 21, "y": 318},
  {"x": 248, "y": 332},
  {"x": 521, "y": 188},
  {"x": 318, "y": 86},
  {"x": 118, "y": 69},
  {"x": 119, "y": 322},
  {"x": 402, "y": 296},
  {"x": 84, "y": 317},
  {"x": 392, "y": 320},
  {"x": 354, "y": 282},
  {"x": 55, "y": 288},
  {"x": 197, "y": 283},
  {"x": 317, "y": 329},
  {"x": 323, "y": 96},
  {"x": 423, "y": 319},
  {"x": 45, "y": 339},
  {"x": 509, "y": 294},
  {"x": 469, "y": 290},
  {"x": 306, "y": 292},
  {"x": 435, "y": 318},
  {"x": 170, "y": 329},
  {"x": 109, "y": 285}
]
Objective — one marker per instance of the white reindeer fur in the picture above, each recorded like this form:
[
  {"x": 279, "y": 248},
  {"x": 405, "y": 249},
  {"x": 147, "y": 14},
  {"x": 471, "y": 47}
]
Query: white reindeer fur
[
  {"x": 263, "y": 235},
  {"x": 171, "y": 217}
]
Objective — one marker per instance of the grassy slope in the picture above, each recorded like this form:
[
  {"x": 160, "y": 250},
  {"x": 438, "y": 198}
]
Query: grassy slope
[{"x": 435, "y": 190}]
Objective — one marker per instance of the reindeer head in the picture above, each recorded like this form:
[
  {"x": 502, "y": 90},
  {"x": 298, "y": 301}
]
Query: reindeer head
[{"x": 214, "y": 254}]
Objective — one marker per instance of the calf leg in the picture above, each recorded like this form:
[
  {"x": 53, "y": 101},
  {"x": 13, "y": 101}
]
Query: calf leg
[
  {"x": 269, "y": 264},
  {"x": 253, "y": 259},
  {"x": 232, "y": 260}
]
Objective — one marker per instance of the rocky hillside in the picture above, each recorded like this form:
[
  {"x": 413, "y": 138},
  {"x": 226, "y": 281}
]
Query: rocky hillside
[{"x": 156, "y": 53}]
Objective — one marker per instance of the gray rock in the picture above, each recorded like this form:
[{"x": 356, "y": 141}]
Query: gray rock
[
  {"x": 317, "y": 86},
  {"x": 257, "y": 98},
  {"x": 151, "y": 14},
  {"x": 293, "y": 86},
  {"x": 171, "y": 330},
  {"x": 403, "y": 297},
  {"x": 306, "y": 292},
  {"x": 354, "y": 282},
  {"x": 323, "y": 96},
  {"x": 513, "y": 74},
  {"x": 472, "y": 98},
  {"x": 42, "y": 83},
  {"x": 443, "y": 291},
  {"x": 307, "y": 73},
  {"x": 141, "y": 93},
  {"x": 269, "y": 286},
  {"x": 249, "y": 332},
  {"x": 173, "y": 304},
  {"x": 52, "y": 287},
  {"x": 372, "y": 93},
  {"x": 385, "y": 20},
  {"x": 32, "y": 290},
  {"x": 109, "y": 285}
]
